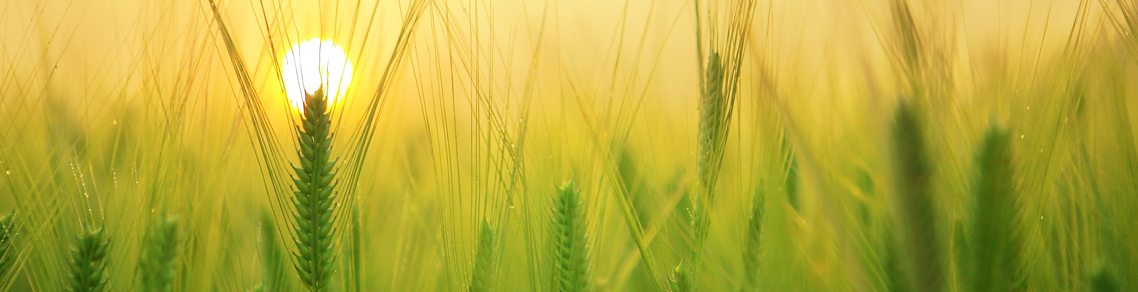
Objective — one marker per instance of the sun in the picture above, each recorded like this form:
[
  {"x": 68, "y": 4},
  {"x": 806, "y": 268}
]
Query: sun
[{"x": 312, "y": 64}]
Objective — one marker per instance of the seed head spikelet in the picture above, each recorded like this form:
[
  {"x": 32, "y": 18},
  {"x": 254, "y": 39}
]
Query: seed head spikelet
[
  {"x": 159, "y": 255},
  {"x": 681, "y": 279},
  {"x": 571, "y": 253},
  {"x": 314, "y": 184},
  {"x": 88, "y": 262},
  {"x": 485, "y": 270},
  {"x": 996, "y": 247},
  {"x": 7, "y": 253},
  {"x": 752, "y": 246}
]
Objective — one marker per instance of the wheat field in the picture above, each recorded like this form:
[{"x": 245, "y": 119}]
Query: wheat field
[{"x": 528, "y": 145}]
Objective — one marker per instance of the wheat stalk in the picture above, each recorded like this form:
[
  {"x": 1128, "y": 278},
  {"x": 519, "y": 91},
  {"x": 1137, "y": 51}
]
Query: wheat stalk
[
  {"x": 88, "y": 262},
  {"x": 571, "y": 252},
  {"x": 996, "y": 247},
  {"x": 314, "y": 184},
  {"x": 157, "y": 264},
  {"x": 485, "y": 270}
]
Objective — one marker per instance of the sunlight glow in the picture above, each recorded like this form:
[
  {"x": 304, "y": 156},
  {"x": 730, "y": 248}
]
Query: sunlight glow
[{"x": 311, "y": 64}]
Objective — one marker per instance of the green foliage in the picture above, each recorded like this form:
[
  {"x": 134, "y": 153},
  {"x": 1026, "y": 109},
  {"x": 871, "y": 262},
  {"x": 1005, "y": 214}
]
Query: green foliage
[
  {"x": 158, "y": 264},
  {"x": 88, "y": 262},
  {"x": 917, "y": 207},
  {"x": 571, "y": 251},
  {"x": 315, "y": 182},
  {"x": 274, "y": 271},
  {"x": 995, "y": 246},
  {"x": 485, "y": 260}
]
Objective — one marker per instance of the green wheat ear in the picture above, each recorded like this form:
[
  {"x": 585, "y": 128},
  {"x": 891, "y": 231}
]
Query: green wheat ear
[
  {"x": 1103, "y": 281},
  {"x": 7, "y": 253},
  {"x": 681, "y": 279},
  {"x": 88, "y": 262},
  {"x": 996, "y": 243},
  {"x": 571, "y": 253},
  {"x": 484, "y": 261},
  {"x": 752, "y": 246},
  {"x": 314, "y": 184},
  {"x": 916, "y": 203},
  {"x": 158, "y": 256}
]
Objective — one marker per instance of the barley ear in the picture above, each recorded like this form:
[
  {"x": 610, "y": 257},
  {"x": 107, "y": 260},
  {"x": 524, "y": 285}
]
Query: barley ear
[
  {"x": 314, "y": 195},
  {"x": 160, "y": 251},
  {"x": 681, "y": 279},
  {"x": 485, "y": 270},
  {"x": 996, "y": 242},
  {"x": 752, "y": 245},
  {"x": 7, "y": 253},
  {"x": 571, "y": 252},
  {"x": 88, "y": 262},
  {"x": 917, "y": 206}
]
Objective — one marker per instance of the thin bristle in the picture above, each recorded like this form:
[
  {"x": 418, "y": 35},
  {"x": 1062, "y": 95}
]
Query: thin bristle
[
  {"x": 158, "y": 262},
  {"x": 485, "y": 269},
  {"x": 571, "y": 252},
  {"x": 88, "y": 262},
  {"x": 314, "y": 182},
  {"x": 996, "y": 242},
  {"x": 916, "y": 202}
]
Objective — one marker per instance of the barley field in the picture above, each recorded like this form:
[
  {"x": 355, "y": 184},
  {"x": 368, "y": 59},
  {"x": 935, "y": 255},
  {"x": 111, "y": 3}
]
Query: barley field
[{"x": 556, "y": 145}]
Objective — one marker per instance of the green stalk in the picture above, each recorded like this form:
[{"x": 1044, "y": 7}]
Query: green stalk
[
  {"x": 571, "y": 252},
  {"x": 485, "y": 270},
  {"x": 996, "y": 247},
  {"x": 157, "y": 264},
  {"x": 314, "y": 194},
  {"x": 917, "y": 205},
  {"x": 88, "y": 262}
]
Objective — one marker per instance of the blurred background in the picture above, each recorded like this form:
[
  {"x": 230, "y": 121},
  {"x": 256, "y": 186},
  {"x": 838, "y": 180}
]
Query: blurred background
[{"x": 116, "y": 113}]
